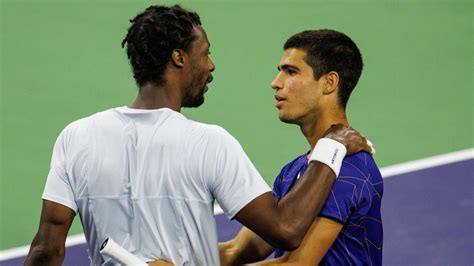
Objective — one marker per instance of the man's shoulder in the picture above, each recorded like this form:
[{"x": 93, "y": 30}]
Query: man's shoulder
[
  {"x": 299, "y": 162},
  {"x": 79, "y": 125},
  {"x": 360, "y": 165},
  {"x": 82, "y": 126},
  {"x": 302, "y": 158},
  {"x": 210, "y": 131}
]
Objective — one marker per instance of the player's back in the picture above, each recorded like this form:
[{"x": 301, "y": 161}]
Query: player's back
[{"x": 139, "y": 176}]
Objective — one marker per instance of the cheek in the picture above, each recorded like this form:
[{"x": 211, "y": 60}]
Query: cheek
[{"x": 302, "y": 93}]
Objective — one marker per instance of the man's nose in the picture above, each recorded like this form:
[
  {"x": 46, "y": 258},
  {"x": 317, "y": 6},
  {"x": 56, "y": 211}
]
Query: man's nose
[
  {"x": 212, "y": 67},
  {"x": 277, "y": 84}
]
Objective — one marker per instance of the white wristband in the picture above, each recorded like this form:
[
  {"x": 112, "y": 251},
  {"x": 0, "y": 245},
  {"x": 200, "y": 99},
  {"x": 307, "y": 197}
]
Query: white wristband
[{"x": 330, "y": 153}]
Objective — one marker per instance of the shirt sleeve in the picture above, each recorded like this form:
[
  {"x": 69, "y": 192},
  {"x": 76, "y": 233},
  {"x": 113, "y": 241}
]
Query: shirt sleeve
[
  {"x": 58, "y": 188},
  {"x": 236, "y": 181},
  {"x": 276, "y": 187},
  {"x": 342, "y": 200}
]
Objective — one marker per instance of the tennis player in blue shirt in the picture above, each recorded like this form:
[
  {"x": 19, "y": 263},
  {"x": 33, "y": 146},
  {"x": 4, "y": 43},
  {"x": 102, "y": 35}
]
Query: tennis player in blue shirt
[{"x": 317, "y": 73}]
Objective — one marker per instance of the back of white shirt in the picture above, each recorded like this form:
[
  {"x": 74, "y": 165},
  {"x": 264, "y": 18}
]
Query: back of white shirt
[{"x": 148, "y": 180}]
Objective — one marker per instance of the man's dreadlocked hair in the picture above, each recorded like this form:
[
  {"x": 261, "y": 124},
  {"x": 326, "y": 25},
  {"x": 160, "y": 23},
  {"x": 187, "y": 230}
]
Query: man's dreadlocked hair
[{"x": 152, "y": 37}]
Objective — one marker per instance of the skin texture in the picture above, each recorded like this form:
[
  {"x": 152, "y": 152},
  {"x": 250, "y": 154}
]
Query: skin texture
[
  {"x": 48, "y": 246},
  {"x": 186, "y": 79},
  {"x": 322, "y": 233},
  {"x": 314, "y": 106},
  {"x": 302, "y": 100}
]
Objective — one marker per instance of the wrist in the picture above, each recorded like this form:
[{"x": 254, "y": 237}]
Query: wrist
[{"x": 330, "y": 153}]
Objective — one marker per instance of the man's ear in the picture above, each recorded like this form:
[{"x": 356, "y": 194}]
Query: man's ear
[
  {"x": 178, "y": 57},
  {"x": 331, "y": 82}
]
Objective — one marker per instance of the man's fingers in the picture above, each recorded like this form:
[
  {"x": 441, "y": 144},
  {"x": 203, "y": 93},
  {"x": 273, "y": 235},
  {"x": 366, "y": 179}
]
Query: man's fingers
[
  {"x": 371, "y": 147},
  {"x": 351, "y": 138}
]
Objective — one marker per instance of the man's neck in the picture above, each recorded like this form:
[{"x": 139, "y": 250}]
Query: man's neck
[
  {"x": 155, "y": 97},
  {"x": 314, "y": 130}
]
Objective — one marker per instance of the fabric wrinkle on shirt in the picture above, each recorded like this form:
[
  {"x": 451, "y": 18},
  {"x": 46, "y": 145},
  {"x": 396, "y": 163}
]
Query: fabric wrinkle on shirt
[{"x": 148, "y": 179}]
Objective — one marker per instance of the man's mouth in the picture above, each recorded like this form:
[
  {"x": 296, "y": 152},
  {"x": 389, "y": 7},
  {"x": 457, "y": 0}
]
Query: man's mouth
[
  {"x": 279, "y": 101},
  {"x": 209, "y": 79}
]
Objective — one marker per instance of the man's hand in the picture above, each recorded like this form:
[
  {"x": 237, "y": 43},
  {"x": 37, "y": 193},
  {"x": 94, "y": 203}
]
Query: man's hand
[
  {"x": 350, "y": 138},
  {"x": 160, "y": 263}
]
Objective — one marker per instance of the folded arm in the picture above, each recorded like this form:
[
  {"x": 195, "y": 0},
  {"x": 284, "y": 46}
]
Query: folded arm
[
  {"x": 246, "y": 247},
  {"x": 284, "y": 223},
  {"x": 316, "y": 243}
]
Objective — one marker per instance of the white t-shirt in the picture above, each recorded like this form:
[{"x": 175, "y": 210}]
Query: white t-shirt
[{"x": 148, "y": 180}]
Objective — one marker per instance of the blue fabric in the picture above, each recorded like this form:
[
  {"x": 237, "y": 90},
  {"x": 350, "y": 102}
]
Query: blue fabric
[{"x": 354, "y": 201}]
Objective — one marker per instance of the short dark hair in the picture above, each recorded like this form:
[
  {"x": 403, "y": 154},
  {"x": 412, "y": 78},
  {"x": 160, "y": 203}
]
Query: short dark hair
[
  {"x": 152, "y": 37},
  {"x": 329, "y": 50}
]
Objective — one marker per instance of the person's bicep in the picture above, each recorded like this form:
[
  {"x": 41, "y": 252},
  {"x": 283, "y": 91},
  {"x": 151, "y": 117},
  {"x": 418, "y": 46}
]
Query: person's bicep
[
  {"x": 246, "y": 247},
  {"x": 56, "y": 219}
]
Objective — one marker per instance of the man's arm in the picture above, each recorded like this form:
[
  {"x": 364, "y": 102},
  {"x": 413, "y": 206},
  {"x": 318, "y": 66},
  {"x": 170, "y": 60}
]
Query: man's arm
[
  {"x": 246, "y": 247},
  {"x": 321, "y": 235},
  {"x": 48, "y": 246},
  {"x": 283, "y": 224}
]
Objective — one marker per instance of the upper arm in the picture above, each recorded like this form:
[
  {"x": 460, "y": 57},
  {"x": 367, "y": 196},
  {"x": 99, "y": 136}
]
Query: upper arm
[
  {"x": 56, "y": 219},
  {"x": 58, "y": 185},
  {"x": 246, "y": 247},
  {"x": 48, "y": 246},
  {"x": 235, "y": 181},
  {"x": 347, "y": 193},
  {"x": 317, "y": 241}
]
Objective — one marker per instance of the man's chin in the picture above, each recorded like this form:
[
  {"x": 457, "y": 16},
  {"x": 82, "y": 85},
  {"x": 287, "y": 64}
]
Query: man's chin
[
  {"x": 286, "y": 119},
  {"x": 193, "y": 103}
]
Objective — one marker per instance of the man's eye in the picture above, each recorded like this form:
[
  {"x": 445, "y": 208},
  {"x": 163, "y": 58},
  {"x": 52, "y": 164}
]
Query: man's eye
[{"x": 291, "y": 72}]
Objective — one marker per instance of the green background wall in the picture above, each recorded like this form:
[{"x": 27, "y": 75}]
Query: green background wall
[{"x": 62, "y": 60}]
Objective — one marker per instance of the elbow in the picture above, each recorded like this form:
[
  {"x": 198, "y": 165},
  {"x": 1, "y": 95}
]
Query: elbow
[
  {"x": 43, "y": 255},
  {"x": 290, "y": 238}
]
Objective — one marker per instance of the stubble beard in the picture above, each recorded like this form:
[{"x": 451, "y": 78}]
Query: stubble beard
[{"x": 194, "y": 96}]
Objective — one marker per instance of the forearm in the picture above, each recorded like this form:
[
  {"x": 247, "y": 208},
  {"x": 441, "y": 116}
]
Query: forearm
[
  {"x": 317, "y": 241},
  {"x": 48, "y": 245},
  {"x": 283, "y": 260},
  {"x": 298, "y": 209},
  {"x": 272, "y": 262},
  {"x": 41, "y": 253},
  {"x": 246, "y": 247},
  {"x": 228, "y": 254},
  {"x": 283, "y": 224}
]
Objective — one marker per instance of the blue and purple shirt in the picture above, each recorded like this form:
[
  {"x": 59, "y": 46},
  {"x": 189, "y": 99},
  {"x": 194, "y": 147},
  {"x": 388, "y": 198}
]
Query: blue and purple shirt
[{"x": 354, "y": 201}]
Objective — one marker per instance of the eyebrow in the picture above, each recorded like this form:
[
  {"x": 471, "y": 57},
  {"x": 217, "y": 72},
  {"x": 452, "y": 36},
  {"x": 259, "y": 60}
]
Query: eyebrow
[{"x": 287, "y": 66}]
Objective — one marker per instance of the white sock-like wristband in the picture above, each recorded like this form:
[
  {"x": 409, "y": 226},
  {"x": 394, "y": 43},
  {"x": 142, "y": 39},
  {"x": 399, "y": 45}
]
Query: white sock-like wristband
[{"x": 330, "y": 153}]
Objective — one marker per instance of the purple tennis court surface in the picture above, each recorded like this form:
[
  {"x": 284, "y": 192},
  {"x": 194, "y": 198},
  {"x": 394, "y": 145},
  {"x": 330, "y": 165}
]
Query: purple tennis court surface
[{"x": 428, "y": 219}]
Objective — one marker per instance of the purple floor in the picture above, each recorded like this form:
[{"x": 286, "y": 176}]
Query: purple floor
[
  {"x": 428, "y": 219},
  {"x": 428, "y": 216}
]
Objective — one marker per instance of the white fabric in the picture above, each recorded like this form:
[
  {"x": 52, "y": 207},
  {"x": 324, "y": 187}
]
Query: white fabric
[
  {"x": 329, "y": 152},
  {"x": 148, "y": 179}
]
